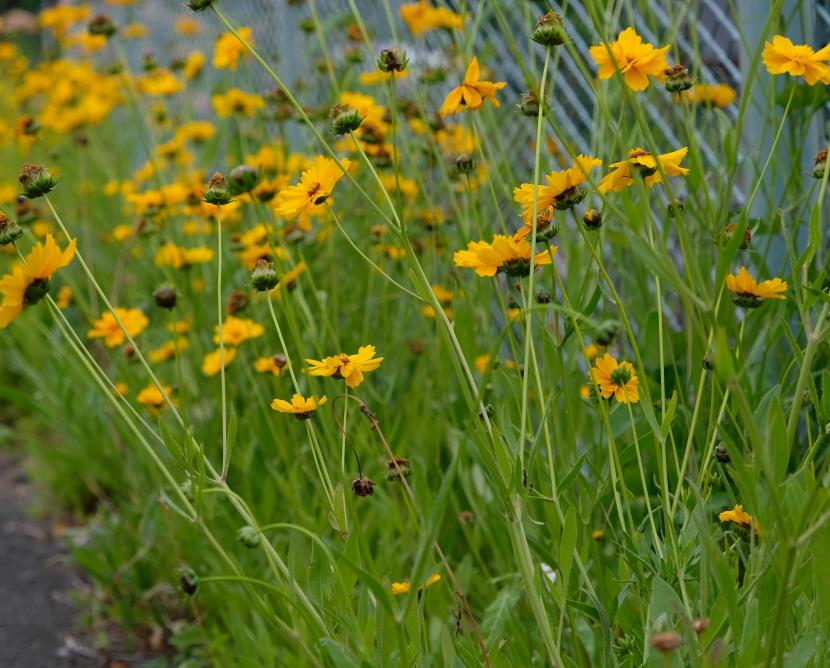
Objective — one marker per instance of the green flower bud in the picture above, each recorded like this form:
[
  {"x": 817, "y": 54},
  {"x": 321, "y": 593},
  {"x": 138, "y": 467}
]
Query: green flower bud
[
  {"x": 102, "y": 25},
  {"x": 570, "y": 198},
  {"x": 242, "y": 179},
  {"x": 36, "y": 181},
  {"x": 550, "y": 30},
  {"x": 465, "y": 164},
  {"x": 607, "y": 332},
  {"x": 188, "y": 580},
  {"x": 264, "y": 277},
  {"x": 217, "y": 192},
  {"x": 36, "y": 291},
  {"x": 820, "y": 164},
  {"x": 592, "y": 219},
  {"x": 398, "y": 468},
  {"x": 529, "y": 104},
  {"x": 675, "y": 207},
  {"x": 344, "y": 119},
  {"x": 392, "y": 60},
  {"x": 248, "y": 536},
  {"x": 9, "y": 230},
  {"x": 677, "y": 79},
  {"x": 200, "y": 5}
]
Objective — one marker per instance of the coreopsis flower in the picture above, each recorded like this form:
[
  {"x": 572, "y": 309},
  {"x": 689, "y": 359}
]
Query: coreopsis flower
[
  {"x": 781, "y": 56},
  {"x": 236, "y": 330},
  {"x": 275, "y": 365},
  {"x": 300, "y": 407},
  {"x": 30, "y": 282},
  {"x": 349, "y": 367},
  {"x": 617, "y": 380},
  {"x": 236, "y": 101},
  {"x": 562, "y": 189},
  {"x": 422, "y": 16},
  {"x": 634, "y": 59},
  {"x": 65, "y": 297},
  {"x": 740, "y": 517},
  {"x": 712, "y": 95},
  {"x": 153, "y": 399},
  {"x": 212, "y": 362},
  {"x": 508, "y": 254},
  {"x": 168, "y": 350},
  {"x": 315, "y": 187},
  {"x": 171, "y": 255},
  {"x": 400, "y": 588},
  {"x": 228, "y": 49},
  {"x": 108, "y": 329},
  {"x": 747, "y": 292},
  {"x": 472, "y": 93},
  {"x": 644, "y": 164}
]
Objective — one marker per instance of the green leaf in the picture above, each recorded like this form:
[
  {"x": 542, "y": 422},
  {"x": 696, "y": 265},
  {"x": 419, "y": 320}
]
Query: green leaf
[
  {"x": 567, "y": 545},
  {"x": 497, "y": 614}
]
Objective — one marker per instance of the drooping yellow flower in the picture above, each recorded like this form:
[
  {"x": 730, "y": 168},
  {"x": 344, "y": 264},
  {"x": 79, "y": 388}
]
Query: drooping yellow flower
[
  {"x": 153, "y": 398},
  {"x": 212, "y": 362},
  {"x": 472, "y": 93},
  {"x": 646, "y": 165},
  {"x": 740, "y": 517},
  {"x": 228, "y": 49},
  {"x": 749, "y": 293},
  {"x": 422, "y": 16},
  {"x": 634, "y": 59},
  {"x": 29, "y": 282},
  {"x": 236, "y": 330},
  {"x": 561, "y": 187},
  {"x": 616, "y": 379},
  {"x": 508, "y": 254},
  {"x": 275, "y": 365},
  {"x": 315, "y": 187},
  {"x": 781, "y": 56},
  {"x": 300, "y": 407},
  {"x": 107, "y": 327},
  {"x": 713, "y": 95},
  {"x": 349, "y": 367}
]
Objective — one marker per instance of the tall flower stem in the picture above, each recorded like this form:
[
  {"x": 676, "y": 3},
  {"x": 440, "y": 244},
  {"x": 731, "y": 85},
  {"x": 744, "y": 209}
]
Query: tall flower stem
[{"x": 219, "y": 309}]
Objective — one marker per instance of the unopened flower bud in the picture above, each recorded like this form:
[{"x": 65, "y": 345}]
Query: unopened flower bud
[
  {"x": 264, "y": 276},
  {"x": 188, "y": 580},
  {"x": 570, "y": 198},
  {"x": 344, "y": 119},
  {"x": 238, "y": 302},
  {"x": 677, "y": 79},
  {"x": 165, "y": 297},
  {"x": 529, "y": 104},
  {"x": 465, "y": 164},
  {"x": 543, "y": 297},
  {"x": 200, "y": 5},
  {"x": 700, "y": 625},
  {"x": 248, "y": 536},
  {"x": 708, "y": 364},
  {"x": 102, "y": 25},
  {"x": 242, "y": 179},
  {"x": 607, "y": 332},
  {"x": 550, "y": 30},
  {"x": 820, "y": 164},
  {"x": 675, "y": 207},
  {"x": 399, "y": 468},
  {"x": 36, "y": 181},
  {"x": 722, "y": 454},
  {"x": 392, "y": 60},
  {"x": 217, "y": 192},
  {"x": 9, "y": 230},
  {"x": 729, "y": 232},
  {"x": 363, "y": 487},
  {"x": 592, "y": 219},
  {"x": 666, "y": 642}
]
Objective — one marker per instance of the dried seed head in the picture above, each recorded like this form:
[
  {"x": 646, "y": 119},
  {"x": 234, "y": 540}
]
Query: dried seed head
[
  {"x": 363, "y": 487},
  {"x": 165, "y": 296},
  {"x": 666, "y": 642}
]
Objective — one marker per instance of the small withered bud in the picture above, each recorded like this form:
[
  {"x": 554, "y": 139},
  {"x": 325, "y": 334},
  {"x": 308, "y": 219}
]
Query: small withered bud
[
  {"x": 465, "y": 164},
  {"x": 200, "y": 5},
  {"x": 708, "y": 363},
  {"x": 264, "y": 276},
  {"x": 354, "y": 33},
  {"x": 344, "y": 119},
  {"x": 677, "y": 79},
  {"x": 592, "y": 219},
  {"x": 149, "y": 62},
  {"x": 248, "y": 536},
  {"x": 242, "y": 179},
  {"x": 666, "y": 642},
  {"x": 363, "y": 487},
  {"x": 529, "y": 104},
  {"x": 607, "y": 332},
  {"x": 188, "y": 580},
  {"x": 820, "y": 164},
  {"x": 550, "y": 30},
  {"x": 700, "y": 625},
  {"x": 675, "y": 207},
  {"x": 729, "y": 232},
  {"x": 392, "y": 60},
  {"x": 399, "y": 468},
  {"x": 36, "y": 181},
  {"x": 543, "y": 297},
  {"x": 27, "y": 126},
  {"x": 9, "y": 230},
  {"x": 217, "y": 191},
  {"x": 722, "y": 454},
  {"x": 165, "y": 296},
  {"x": 238, "y": 302},
  {"x": 102, "y": 25},
  {"x": 466, "y": 517},
  {"x": 280, "y": 360},
  {"x": 416, "y": 346}
]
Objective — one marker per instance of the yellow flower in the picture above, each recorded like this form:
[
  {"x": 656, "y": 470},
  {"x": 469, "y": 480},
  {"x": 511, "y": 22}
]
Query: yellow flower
[
  {"x": 193, "y": 64},
  {"x": 749, "y": 293},
  {"x": 171, "y": 255},
  {"x": 349, "y": 367},
  {"x": 186, "y": 25},
  {"x": 635, "y": 59},
  {"x": 167, "y": 351},
  {"x": 300, "y": 407},
  {"x": 740, "y": 517},
  {"x": 236, "y": 330},
  {"x": 400, "y": 588},
  {"x": 29, "y": 283},
  {"x": 617, "y": 380},
  {"x": 561, "y": 188},
  {"x": 714, "y": 95},
  {"x": 152, "y": 397},
  {"x": 315, "y": 187},
  {"x": 472, "y": 92},
  {"x": 64, "y": 297},
  {"x": 646, "y": 165},
  {"x": 507, "y": 254},
  {"x": 422, "y": 16},
  {"x": 781, "y": 56},
  {"x": 212, "y": 362},
  {"x": 134, "y": 31},
  {"x": 274, "y": 365},
  {"x": 228, "y": 49},
  {"x": 107, "y": 327},
  {"x": 236, "y": 101}
]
